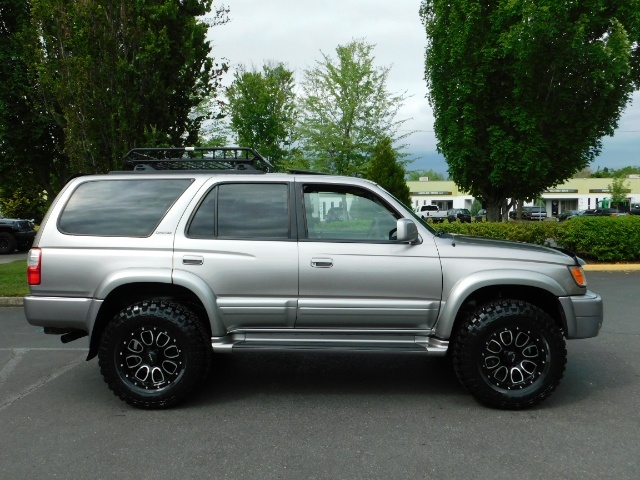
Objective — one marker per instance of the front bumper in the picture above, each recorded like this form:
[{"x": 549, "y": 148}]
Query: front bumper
[{"x": 583, "y": 315}]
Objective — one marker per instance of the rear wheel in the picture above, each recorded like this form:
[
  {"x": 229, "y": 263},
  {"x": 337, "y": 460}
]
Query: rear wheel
[
  {"x": 509, "y": 354},
  {"x": 154, "y": 353}
]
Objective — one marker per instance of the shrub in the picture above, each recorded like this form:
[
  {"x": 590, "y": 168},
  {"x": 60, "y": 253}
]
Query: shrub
[
  {"x": 605, "y": 239},
  {"x": 539, "y": 233},
  {"x": 602, "y": 238}
]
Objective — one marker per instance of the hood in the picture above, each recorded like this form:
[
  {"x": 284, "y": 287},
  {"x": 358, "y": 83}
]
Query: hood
[{"x": 462, "y": 246}]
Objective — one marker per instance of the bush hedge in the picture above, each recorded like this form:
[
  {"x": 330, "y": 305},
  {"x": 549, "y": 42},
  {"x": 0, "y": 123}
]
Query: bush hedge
[{"x": 607, "y": 239}]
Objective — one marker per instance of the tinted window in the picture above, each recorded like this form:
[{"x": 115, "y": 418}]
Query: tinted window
[
  {"x": 203, "y": 222},
  {"x": 120, "y": 208},
  {"x": 243, "y": 211}
]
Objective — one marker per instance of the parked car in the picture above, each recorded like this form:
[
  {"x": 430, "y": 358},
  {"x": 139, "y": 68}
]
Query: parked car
[
  {"x": 431, "y": 212},
  {"x": 335, "y": 214},
  {"x": 16, "y": 233},
  {"x": 530, "y": 213},
  {"x": 481, "y": 216},
  {"x": 605, "y": 212},
  {"x": 459, "y": 215},
  {"x": 163, "y": 268},
  {"x": 567, "y": 214}
]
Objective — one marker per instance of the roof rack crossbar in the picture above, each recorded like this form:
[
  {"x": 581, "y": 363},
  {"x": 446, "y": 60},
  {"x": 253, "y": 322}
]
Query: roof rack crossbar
[{"x": 197, "y": 158}]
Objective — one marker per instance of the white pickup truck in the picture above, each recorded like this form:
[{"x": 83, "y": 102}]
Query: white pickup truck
[{"x": 431, "y": 212}]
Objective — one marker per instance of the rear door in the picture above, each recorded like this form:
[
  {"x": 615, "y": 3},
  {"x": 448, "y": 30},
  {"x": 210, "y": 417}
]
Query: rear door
[
  {"x": 241, "y": 240},
  {"x": 353, "y": 272}
]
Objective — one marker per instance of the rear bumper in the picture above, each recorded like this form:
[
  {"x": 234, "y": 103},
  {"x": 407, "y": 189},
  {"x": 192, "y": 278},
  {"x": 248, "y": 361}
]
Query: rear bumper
[
  {"x": 583, "y": 315},
  {"x": 58, "y": 312}
]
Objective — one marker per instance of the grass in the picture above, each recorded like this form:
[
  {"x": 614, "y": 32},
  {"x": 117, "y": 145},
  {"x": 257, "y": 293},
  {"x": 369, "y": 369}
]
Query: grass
[{"x": 13, "y": 279}]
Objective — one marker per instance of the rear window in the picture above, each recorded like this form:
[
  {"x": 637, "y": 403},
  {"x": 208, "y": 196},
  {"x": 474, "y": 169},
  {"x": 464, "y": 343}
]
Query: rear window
[{"x": 120, "y": 208}]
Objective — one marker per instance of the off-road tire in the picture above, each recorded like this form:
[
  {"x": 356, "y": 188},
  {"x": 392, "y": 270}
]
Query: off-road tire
[
  {"x": 7, "y": 243},
  {"x": 509, "y": 354},
  {"x": 153, "y": 354}
]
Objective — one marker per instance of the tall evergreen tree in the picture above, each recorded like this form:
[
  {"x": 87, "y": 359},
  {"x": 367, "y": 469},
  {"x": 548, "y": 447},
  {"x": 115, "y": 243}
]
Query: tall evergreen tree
[
  {"x": 116, "y": 74},
  {"x": 388, "y": 172},
  {"x": 32, "y": 155}
]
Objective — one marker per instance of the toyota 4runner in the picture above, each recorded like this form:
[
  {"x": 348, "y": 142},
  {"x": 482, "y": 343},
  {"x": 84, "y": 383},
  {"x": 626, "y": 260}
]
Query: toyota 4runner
[{"x": 197, "y": 252}]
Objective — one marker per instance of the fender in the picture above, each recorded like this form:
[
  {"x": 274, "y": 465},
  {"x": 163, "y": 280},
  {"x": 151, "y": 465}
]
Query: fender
[
  {"x": 161, "y": 275},
  {"x": 131, "y": 275},
  {"x": 207, "y": 297},
  {"x": 487, "y": 278}
]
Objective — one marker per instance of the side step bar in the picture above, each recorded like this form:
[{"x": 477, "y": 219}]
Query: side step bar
[{"x": 330, "y": 343}]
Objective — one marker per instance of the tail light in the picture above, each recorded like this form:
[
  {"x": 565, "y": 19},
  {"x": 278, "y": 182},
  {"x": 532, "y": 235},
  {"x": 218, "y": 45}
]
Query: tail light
[{"x": 34, "y": 264}]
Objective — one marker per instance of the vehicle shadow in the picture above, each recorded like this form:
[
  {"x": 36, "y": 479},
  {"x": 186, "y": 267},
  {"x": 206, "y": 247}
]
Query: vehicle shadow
[{"x": 237, "y": 376}]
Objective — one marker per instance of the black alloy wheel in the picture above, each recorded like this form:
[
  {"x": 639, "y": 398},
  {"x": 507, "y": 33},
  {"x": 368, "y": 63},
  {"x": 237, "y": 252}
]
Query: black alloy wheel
[
  {"x": 7, "y": 243},
  {"x": 154, "y": 353},
  {"x": 509, "y": 354}
]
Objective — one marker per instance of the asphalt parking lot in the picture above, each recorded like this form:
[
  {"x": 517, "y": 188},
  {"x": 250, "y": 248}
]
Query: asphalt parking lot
[{"x": 307, "y": 416}]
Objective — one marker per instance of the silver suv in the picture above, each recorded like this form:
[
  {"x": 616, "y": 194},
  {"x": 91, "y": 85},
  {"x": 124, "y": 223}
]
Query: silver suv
[{"x": 177, "y": 260}]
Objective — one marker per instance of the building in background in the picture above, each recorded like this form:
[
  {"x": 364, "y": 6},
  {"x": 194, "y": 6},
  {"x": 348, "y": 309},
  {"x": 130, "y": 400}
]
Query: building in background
[{"x": 574, "y": 194}]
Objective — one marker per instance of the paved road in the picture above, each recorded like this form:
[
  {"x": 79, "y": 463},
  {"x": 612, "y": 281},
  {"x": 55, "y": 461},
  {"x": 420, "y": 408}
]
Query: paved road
[
  {"x": 13, "y": 257},
  {"x": 308, "y": 416}
]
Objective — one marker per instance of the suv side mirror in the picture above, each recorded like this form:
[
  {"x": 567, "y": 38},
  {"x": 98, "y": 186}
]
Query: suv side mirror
[{"x": 407, "y": 231}]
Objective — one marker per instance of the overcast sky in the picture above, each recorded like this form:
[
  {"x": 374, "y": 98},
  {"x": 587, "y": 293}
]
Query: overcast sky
[{"x": 294, "y": 32}]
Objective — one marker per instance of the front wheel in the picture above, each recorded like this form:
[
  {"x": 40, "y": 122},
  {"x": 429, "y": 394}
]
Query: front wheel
[
  {"x": 154, "y": 353},
  {"x": 509, "y": 354}
]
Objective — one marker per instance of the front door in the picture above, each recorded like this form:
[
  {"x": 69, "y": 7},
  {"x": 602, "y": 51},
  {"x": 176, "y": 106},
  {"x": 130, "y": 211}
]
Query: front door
[{"x": 353, "y": 272}]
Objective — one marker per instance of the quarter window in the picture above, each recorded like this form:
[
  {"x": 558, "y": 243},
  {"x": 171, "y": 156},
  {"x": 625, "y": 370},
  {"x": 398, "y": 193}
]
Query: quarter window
[{"x": 120, "y": 208}]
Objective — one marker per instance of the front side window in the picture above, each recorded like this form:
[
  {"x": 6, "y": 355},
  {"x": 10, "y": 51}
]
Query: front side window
[
  {"x": 347, "y": 214},
  {"x": 238, "y": 210},
  {"x": 120, "y": 208}
]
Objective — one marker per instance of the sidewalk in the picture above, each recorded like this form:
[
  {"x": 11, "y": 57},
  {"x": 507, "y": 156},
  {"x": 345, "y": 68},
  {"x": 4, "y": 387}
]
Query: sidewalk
[{"x": 597, "y": 267}]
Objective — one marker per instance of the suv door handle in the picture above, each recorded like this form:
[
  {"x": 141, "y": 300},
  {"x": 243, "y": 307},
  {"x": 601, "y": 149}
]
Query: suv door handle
[
  {"x": 322, "y": 262},
  {"x": 192, "y": 260}
]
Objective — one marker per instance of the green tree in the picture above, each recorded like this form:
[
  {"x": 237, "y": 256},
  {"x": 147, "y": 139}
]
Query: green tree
[
  {"x": 388, "y": 172},
  {"x": 346, "y": 110},
  {"x": 262, "y": 111},
  {"x": 618, "y": 190},
  {"x": 432, "y": 175},
  {"x": 523, "y": 91},
  {"x": 31, "y": 142},
  {"x": 121, "y": 73},
  {"x": 24, "y": 201},
  {"x": 612, "y": 173},
  {"x": 629, "y": 170}
]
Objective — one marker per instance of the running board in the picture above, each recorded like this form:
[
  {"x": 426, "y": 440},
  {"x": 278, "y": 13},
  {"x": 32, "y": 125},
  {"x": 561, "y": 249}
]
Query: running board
[{"x": 330, "y": 343}]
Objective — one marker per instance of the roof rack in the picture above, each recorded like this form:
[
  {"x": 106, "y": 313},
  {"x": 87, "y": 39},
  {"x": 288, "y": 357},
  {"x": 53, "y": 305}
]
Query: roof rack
[
  {"x": 197, "y": 158},
  {"x": 294, "y": 171}
]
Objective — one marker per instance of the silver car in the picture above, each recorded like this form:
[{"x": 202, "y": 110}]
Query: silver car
[{"x": 161, "y": 269}]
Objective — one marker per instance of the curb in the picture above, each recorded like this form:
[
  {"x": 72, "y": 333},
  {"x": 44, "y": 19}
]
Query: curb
[
  {"x": 617, "y": 267},
  {"x": 11, "y": 301}
]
